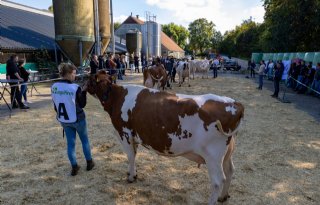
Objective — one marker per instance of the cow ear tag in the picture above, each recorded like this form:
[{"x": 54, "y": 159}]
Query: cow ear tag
[{"x": 98, "y": 80}]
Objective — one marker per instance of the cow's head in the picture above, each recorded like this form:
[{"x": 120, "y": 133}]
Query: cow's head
[{"x": 97, "y": 82}]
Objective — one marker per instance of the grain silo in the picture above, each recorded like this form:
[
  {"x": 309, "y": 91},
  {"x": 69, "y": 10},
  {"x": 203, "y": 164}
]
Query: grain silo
[
  {"x": 134, "y": 42},
  {"x": 104, "y": 24},
  {"x": 74, "y": 27},
  {"x": 151, "y": 38}
]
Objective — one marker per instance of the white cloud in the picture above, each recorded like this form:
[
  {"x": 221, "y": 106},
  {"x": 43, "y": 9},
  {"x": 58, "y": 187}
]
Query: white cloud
[
  {"x": 225, "y": 14},
  {"x": 120, "y": 18}
]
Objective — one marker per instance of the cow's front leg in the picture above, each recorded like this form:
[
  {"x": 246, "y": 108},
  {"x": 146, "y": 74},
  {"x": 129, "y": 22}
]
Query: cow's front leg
[{"x": 130, "y": 148}]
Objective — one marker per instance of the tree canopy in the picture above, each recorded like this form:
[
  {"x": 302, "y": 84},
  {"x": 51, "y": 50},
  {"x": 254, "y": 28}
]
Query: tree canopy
[
  {"x": 289, "y": 26},
  {"x": 177, "y": 33},
  {"x": 201, "y": 34}
]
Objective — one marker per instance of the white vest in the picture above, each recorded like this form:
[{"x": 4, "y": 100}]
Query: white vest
[{"x": 64, "y": 99}]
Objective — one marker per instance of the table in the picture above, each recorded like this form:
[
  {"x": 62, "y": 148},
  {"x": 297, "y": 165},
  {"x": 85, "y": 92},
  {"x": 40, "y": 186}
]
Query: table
[
  {"x": 5, "y": 85},
  {"x": 33, "y": 73}
]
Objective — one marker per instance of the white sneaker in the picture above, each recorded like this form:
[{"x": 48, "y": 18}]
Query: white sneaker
[{"x": 27, "y": 102}]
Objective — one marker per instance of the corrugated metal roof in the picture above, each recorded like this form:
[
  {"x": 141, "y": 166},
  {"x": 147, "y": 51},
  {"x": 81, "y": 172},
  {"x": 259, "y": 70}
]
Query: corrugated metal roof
[
  {"x": 120, "y": 45},
  {"x": 25, "y": 30}
]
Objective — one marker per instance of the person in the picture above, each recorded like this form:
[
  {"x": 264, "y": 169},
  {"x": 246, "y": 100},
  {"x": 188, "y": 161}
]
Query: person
[
  {"x": 123, "y": 64},
  {"x": 276, "y": 79},
  {"x": 69, "y": 100},
  {"x": 136, "y": 63},
  {"x": 101, "y": 62},
  {"x": 270, "y": 67},
  {"x": 94, "y": 64},
  {"x": 215, "y": 64},
  {"x": 117, "y": 61},
  {"x": 316, "y": 81},
  {"x": 252, "y": 67},
  {"x": 25, "y": 76},
  {"x": 131, "y": 63},
  {"x": 261, "y": 74},
  {"x": 112, "y": 71},
  {"x": 12, "y": 73}
]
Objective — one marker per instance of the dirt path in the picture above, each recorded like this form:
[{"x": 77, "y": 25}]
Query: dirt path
[{"x": 277, "y": 156}]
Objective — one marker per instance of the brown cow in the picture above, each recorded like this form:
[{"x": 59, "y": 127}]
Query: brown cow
[
  {"x": 155, "y": 75},
  {"x": 200, "y": 128}
]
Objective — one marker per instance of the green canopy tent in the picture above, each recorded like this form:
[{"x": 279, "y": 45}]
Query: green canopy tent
[
  {"x": 316, "y": 58},
  {"x": 286, "y": 56},
  {"x": 292, "y": 56},
  {"x": 275, "y": 56},
  {"x": 265, "y": 56},
  {"x": 308, "y": 57},
  {"x": 300, "y": 55},
  {"x": 280, "y": 56},
  {"x": 256, "y": 57}
]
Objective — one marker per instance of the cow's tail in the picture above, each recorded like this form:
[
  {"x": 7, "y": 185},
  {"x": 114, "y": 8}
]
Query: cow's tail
[{"x": 230, "y": 133}]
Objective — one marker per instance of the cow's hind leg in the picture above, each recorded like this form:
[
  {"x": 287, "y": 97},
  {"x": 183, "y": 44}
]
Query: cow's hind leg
[
  {"x": 214, "y": 164},
  {"x": 228, "y": 169},
  {"x": 130, "y": 148}
]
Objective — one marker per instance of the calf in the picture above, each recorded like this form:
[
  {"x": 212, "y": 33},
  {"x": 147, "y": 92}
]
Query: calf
[{"x": 200, "y": 128}]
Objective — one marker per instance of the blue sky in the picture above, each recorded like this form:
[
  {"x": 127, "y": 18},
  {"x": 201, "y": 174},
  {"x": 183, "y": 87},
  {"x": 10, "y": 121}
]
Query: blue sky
[{"x": 225, "y": 14}]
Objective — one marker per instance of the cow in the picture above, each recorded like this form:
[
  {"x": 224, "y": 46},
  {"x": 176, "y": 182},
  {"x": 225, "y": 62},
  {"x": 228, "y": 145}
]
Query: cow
[
  {"x": 183, "y": 72},
  {"x": 155, "y": 75},
  {"x": 202, "y": 66},
  {"x": 201, "y": 128}
]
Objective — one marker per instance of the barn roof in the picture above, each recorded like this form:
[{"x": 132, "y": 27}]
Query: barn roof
[
  {"x": 25, "y": 28},
  {"x": 169, "y": 44}
]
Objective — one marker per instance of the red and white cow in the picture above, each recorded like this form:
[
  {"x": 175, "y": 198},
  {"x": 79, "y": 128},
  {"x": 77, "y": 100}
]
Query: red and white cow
[
  {"x": 200, "y": 128},
  {"x": 155, "y": 75}
]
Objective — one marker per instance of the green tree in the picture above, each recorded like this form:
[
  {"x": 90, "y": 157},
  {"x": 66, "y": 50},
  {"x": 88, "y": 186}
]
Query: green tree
[
  {"x": 116, "y": 25},
  {"x": 177, "y": 33},
  {"x": 216, "y": 40},
  {"x": 291, "y": 25},
  {"x": 50, "y": 9},
  {"x": 201, "y": 34},
  {"x": 243, "y": 40}
]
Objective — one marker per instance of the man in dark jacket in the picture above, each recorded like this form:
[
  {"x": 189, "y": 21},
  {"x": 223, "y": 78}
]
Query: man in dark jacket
[
  {"x": 277, "y": 78},
  {"x": 13, "y": 74},
  {"x": 94, "y": 64}
]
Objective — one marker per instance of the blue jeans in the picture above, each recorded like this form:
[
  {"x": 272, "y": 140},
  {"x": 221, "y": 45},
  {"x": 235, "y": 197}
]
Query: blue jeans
[
  {"x": 260, "y": 81},
  {"x": 70, "y": 130},
  {"x": 24, "y": 91}
]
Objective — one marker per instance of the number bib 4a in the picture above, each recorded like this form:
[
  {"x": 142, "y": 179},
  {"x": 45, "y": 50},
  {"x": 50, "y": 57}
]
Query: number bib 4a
[{"x": 64, "y": 99}]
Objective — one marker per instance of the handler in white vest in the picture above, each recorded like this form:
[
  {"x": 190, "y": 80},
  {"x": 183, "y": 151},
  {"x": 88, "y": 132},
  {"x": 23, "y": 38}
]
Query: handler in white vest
[{"x": 69, "y": 99}]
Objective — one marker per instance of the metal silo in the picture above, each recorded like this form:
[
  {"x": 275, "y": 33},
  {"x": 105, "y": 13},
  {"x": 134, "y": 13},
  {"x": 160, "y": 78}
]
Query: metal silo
[
  {"x": 104, "y": 23},
  {"x": 151, "y": 38},
  {"x": 74, "y": 27},
  {"x": 134, "y": 41}
]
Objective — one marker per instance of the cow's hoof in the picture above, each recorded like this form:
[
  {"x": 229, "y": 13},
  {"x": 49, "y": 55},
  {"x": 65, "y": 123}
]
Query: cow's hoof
[
  {"x": 223, "y": 199},
  {"x": 179, "y": 85},
  {"x": 132, "y": 180},
  {"x": 189, "y": 86}
]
